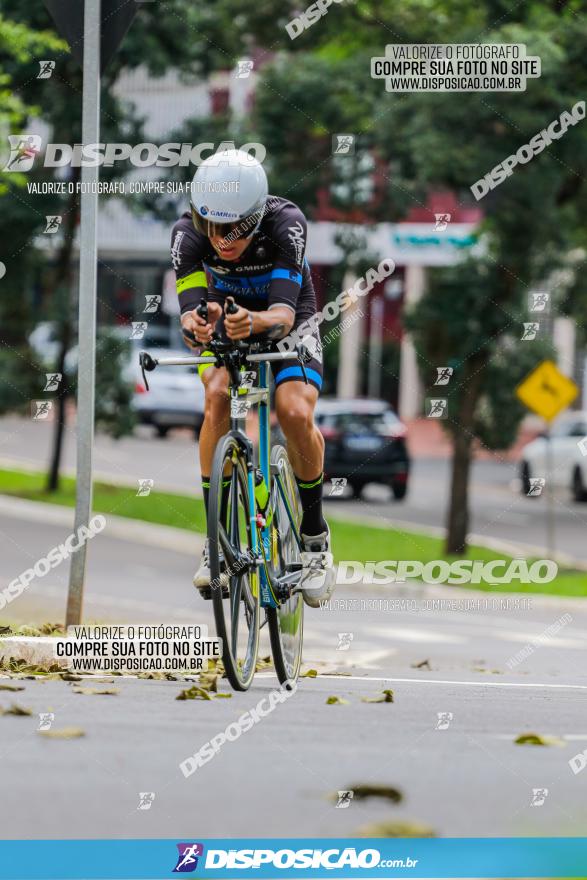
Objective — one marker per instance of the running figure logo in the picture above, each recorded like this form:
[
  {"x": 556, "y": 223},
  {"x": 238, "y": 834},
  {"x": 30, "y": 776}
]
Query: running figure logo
[
  {"x": 23, "y": 149},
  {"x": 344, "y": 800},
  {"x": 46, "y": 69},
  {"x": 437, "y": 408},
  {"x": 539, "y": 795},
  {"x": 338, "y": 486},
  {"x": 52, "y": 223},
  {"x": 152, "y": 302},
  {"x": 441, "y": 222},
  {"x": 244, "y": 68},
  {"x": 536, "y": 486},
  {"x": 138, "y": 329},
  {"x": 343, "y": 144},
  {"x": 530, "y": 331},
  {"x": 41, "y": 409},
  {"x": 444, "y": 374},
  {"x": 187, "y": 860},
  {"x": 540, "y": 301}
]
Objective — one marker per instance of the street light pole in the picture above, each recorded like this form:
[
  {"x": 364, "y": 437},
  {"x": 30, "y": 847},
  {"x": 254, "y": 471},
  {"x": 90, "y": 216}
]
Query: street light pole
[{"x": 87, "y": 305}]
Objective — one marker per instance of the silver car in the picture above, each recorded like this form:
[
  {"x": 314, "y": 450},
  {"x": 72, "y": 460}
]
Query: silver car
[{"x": 175, "y": 398}]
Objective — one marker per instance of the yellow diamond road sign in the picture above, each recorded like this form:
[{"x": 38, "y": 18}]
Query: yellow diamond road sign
[{"x": 547, "y": 391}]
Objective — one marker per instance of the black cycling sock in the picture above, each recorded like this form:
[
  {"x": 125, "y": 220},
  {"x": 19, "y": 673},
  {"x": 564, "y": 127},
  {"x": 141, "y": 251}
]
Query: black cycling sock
[
  {"x": 206, "y": 492},
  {"x": 313, "y": 523},
  {"x": 225, "y": 495}
]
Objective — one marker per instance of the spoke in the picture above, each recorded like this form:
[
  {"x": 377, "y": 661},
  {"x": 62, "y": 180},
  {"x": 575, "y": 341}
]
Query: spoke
[
  {"x": 235, "y": 598},
  {"x": 229, "y": 552}
]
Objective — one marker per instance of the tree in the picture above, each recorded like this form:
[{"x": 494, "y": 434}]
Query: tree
[
  {"x": 448, "y": 141},
  {"x": 155, "y": 41}
]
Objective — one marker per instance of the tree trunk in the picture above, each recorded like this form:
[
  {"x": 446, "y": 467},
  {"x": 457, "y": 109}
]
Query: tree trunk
[
  {"x": 458, "y": 514},
  {"x": 462, "y": 434},
  {"x": 62, "y": 280}
]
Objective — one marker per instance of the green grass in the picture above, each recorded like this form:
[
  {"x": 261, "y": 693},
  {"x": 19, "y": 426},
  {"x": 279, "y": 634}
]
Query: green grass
[{"x": 359, "y": 541}]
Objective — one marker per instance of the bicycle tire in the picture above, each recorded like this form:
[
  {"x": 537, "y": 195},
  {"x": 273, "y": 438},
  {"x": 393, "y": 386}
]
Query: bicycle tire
[
  {"x": 286, "y": 622},
  {"x": 242, "y": 605}
]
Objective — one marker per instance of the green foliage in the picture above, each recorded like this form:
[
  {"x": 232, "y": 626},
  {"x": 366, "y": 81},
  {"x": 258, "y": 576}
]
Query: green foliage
[
  {"x": 460, "y": 318},
  {"x": 114, "y": 390}
]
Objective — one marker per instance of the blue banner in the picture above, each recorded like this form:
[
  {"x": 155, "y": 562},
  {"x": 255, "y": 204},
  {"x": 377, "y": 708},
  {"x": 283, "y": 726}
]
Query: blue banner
[{"x": 275, "y": 858}]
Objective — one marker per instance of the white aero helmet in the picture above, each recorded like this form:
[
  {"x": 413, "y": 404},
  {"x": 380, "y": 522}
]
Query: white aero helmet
[{"x": 228, "y": 195}]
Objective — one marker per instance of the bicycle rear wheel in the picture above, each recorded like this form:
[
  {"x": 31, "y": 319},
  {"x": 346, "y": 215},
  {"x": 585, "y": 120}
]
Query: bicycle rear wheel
[
  {"x": 286, "y": 623},
  {"x": 236, "y": 610}
]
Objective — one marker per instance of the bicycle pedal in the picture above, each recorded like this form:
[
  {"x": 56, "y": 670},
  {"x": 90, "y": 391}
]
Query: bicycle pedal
[{"x": 206, "y": 592}]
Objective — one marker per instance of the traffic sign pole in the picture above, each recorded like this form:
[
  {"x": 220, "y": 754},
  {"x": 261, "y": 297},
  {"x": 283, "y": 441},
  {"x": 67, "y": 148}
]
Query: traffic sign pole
[
  {"x": 547, "y": 391},
  {"x": 550, "y": 524},
  {"x": 87, "y": 306}
]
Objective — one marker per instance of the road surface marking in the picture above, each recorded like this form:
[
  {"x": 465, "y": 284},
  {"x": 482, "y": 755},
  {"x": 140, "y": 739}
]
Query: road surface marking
[
  {"x": 419, "y": 635},
  {"x": 390, "y": 679}
]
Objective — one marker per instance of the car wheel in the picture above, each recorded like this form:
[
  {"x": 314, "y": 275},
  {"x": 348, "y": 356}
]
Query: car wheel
[
  {"x": 578, "y": 488},
  {"x": 399, "y": 489},
  {"x": 197, "y": 429},
  {"x": 525, "y": 477},
  {"x": 357, "y": 489},
  {"x": 162, "y": 431}
]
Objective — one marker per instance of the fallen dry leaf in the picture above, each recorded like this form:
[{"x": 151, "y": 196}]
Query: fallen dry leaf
[
  {"x": 369, "y": 789},
  {"x": 385, "y": 696},
  {"x": 536, "y": 739},
  {"x": 97, "y": 691},
  {"x": 336, "y": 701},
  {"x": 310, "y": 673},
  {"x": 194, "y": 693},
  {"x": 63, "y": 733},
  {"x": 10, "y": 687},
  {"x": 423, "y": 664},
  {"x": 14, "y": 709},
  {"x": 396, "y": 829}
]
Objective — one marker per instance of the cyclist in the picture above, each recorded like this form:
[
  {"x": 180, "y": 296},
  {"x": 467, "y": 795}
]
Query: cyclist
[{"x": 239, "y": 242}]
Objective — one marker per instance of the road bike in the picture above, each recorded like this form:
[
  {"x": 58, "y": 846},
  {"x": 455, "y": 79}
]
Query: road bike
[{"x": 254, "y": 517}]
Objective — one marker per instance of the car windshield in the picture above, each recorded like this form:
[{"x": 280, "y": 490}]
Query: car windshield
[{"x": 363, "y": 423}]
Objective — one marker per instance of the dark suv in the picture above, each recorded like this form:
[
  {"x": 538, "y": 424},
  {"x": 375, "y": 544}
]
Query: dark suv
[{"x": 365, "y": 442}]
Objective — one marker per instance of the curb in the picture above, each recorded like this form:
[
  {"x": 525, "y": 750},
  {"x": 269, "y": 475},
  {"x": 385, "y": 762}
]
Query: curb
[
  {"x": 120, "y": 527},
  {"x": 32, "y": 649}
]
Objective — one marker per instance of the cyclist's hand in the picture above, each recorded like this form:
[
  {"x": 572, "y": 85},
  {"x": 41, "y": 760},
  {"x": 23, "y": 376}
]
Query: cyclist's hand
[
  {"x": 202, "y": 331},
  {"x": 239, "y": 325}
]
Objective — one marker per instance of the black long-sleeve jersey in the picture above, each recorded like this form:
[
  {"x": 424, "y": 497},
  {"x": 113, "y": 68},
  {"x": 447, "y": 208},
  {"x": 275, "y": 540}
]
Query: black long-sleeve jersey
[{"x": 272, "y": 271}]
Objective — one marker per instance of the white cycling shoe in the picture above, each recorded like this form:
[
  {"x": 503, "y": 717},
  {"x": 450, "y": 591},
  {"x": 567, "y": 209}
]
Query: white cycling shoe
[
  {"x": 202, "y": 578},
  {"x": 318, "y": 574}
]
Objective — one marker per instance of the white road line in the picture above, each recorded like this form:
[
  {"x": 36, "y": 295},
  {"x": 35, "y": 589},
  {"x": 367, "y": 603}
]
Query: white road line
[
  {"x": 537, "y": 640},
  {"x": 511, "y": 684},
  {"x": 422, "y": 636},
  {"x": 570, "y": 737}
]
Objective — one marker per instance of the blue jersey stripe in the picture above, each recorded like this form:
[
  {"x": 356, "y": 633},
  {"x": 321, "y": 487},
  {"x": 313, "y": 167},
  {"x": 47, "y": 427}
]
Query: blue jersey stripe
[{"x": 288, "y": 274}]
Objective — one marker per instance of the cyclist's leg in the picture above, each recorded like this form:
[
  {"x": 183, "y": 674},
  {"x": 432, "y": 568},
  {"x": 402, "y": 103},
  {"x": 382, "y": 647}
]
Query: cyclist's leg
[
  {"x": 216, "y": 419},
  {"x": 216, "y": 423},
  {"x": 295, "y": 403}
]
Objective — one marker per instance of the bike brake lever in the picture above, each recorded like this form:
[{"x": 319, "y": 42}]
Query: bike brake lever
[
  {"x": 304, "y": 355},
  {"x": 147, "y": 364},
  {"x": 189, "y": 335}
]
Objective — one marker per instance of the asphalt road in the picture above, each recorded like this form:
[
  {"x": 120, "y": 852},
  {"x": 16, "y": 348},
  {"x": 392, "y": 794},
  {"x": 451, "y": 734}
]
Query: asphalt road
[
  {"x": 498, "y": 510},
  {"x": 468, "y": 779}
]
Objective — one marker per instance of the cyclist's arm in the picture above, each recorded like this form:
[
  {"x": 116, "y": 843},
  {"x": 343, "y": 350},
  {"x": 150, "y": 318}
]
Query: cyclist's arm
[
  {"x": 289, "y": 234},
  {"x": 190, "y": 283},
  {"x": 278, "y": 319}
]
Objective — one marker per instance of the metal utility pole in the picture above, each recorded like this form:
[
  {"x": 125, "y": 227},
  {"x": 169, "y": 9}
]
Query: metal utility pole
[{"x": 87, "y": 306}]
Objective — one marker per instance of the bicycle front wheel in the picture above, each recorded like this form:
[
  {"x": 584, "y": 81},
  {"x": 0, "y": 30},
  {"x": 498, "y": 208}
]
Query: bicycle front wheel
[
  {"x": 286, "y": 622},
  {"x": 234, "y": 576}
]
